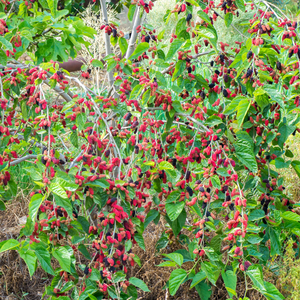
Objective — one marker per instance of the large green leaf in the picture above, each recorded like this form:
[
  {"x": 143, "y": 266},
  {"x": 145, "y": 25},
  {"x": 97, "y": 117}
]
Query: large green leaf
[
  {"x": 200, "y": 276},
  {"x": 44, "y": 258},
  {"x": 174, "y": 209},
  {"x": 244, "y": 151},
  {"x": 174, "y": 48},
  {"x": 64, "y": 257},
  {"x": 139, "y": 50},
  {"x": 288, "y": 215},
  {"x": 228, "y": 19},
  {"x": 256, "y": 276},
  {"x": 34, "y": 205},
  {"x": 204, "y": 290},
  {"x": 176, "y": 279},
  {"x": 30, "y": 259},
  {"x": 139, "y": 283},
  {"x": 242, "y": 111},
  {"x": 240, "y": 4},
  {"x": 212, "y": 272},
  {"x": 179, "y": 68},
  {"x": 58, "y": 190},
  {"x": 140, "y": 240},
  {"x": 8, "y": 245},
  {"x": 176, "y": 257},
  {"x": 230, "y": 280},
  {"x": 65, "y": 203},
  {"x": 275, "y": 240}
]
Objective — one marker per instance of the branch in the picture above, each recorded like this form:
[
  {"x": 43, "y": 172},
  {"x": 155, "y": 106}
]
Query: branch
[
  {"x": 17, "y": 161},
  {"x": 136, "y": 23},
  {"x": 107, "y": 41},
  {"x": 63, "y": 94}
]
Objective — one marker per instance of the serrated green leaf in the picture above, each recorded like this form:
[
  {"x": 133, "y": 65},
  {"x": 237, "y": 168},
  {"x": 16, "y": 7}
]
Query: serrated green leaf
[
  {"x": 139, "y": 283},
  {"x": 176, "y": 279},
  {"x": 139, "y": 50}
]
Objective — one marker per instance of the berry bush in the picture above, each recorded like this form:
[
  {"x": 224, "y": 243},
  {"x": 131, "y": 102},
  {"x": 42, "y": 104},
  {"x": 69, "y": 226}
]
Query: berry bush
[{"x": 191, "y": 132}]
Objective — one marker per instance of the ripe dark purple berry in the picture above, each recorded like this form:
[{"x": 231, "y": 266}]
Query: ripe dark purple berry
[
  {"x": 189, "y": 190},
  {"x": 189, "y": 17},
  {"x": 278, "y": 65}
]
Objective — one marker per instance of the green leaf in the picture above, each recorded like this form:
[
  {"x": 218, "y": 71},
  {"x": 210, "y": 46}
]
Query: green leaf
[
  {"x": 288, "y": 215},
  {"x": 174, "y": 209},
  {"x": 200, "y": 276},
  {"x": 285, "y": 131},
  {"x": 44, "y": 258},
  {"x": 275, "y": 241},
  {"x": 84, "y": 251},
  {"x": 74, "y": 139},
  {"x": 3, "y": 57},
  {"x": 34, "y": 205},
  {"x": 58, "y": 190},
  {"x": 256, "y": 276},
  {"x": 256, "y": 214},
  {"x": 272, "y": 293},
  {"x": 204, "y": 16},
  {"x": 203, "y": 290},
  {"x": 215, "y": 180},
  {"x": 213, "y": 121},
  {"x": 240, "y": 4},
  {"x": 97, "y": 63},
  {"x": 244, "y": 151},
  {"x": 173, "y": 196},
  {"x": 212, "y": 272},
  {"x": 242, "y": 111},
  {"x": 123, "y": 45},
  {"x": 272, "y": 91},
  {"x": 140, "y": 49},
  {"x": 230, "y": 280},
  {"x": 65, "y": 203},
  {"x": 118, "y": 277},
  {"x": 296, "y": 165},
  {"x": 261, "y": 98},
  {"x": 131, "y": 12},
  {"x": 176, "y": 279},
  {"x": 139, "y": 283},
  {"x": 176, "y": 257},
  {"x": 30, "y": 260},
  {"x": 178, "y": 223},
  {"x": 8, "y": 245},
  {"x": 6, "y": 43},
  {"x": 2, "y": 205},
  {"x": 152, "y": 214},
  {"x": 228, "y": 19},
  {"x": 135, "y": 93},
  {"x": 175, "y": 46},
  {"x": 179, "y": 68},
  {"x": 140, "y": 240},
  {"x": 164, "y": 165},
  {"x": 81, "y": 120},
  {"x": 64, "y": 257},
  {"x": 52, "y": 4}
]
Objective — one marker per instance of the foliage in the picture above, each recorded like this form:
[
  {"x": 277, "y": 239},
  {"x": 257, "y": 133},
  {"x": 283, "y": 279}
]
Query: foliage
[
  {"x": 288, "y": 279},
  {"x": 189, "y": 135}
]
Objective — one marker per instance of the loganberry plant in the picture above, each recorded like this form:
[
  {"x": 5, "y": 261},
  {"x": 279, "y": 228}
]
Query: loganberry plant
[{"x": 189, "y": 130}]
